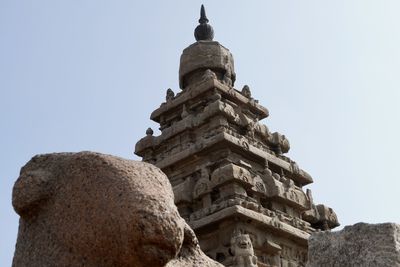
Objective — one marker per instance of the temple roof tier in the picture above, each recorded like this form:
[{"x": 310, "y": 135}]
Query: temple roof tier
[{"x": 201, "y": 88}]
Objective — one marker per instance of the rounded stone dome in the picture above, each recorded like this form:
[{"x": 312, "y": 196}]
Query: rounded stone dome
[{"x": 204, "y": 55}]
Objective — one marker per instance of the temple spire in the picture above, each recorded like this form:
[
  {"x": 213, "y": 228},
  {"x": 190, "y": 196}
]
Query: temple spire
[{"x": 204, "y": 31}]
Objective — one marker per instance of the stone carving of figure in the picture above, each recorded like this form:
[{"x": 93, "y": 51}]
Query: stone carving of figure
[
  {"x": 208, "y": 75},
  {"x": 246, "y": 91},
  {"x": 227, "y": 78},
  {"x": 285, "y": 145},
  {"x": 295, "y": 167},
  {"x": 267, "y": 171},
  {"x": 276, "y": 176},
  {"x": 215, "y": 96},
  {"x": 170, "y": 95},
  {"x": 280, "y": 142},
  {"x": 184, "y": 113},
  {"x": 288, "y": 182},
  {"x": 309, "y": 196},
  {"x": 259, "y": 184},
  {"x": 250, "y": 129},
  {"x": 202, "y": 187},
  {"x": 243, "y": 252}
]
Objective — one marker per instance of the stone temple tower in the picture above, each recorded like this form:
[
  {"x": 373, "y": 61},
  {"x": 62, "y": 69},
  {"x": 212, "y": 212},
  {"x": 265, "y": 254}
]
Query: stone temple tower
[{"x": 232, "y": 182}]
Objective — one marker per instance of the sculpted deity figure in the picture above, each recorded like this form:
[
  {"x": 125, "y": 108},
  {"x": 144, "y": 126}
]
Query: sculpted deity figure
[
  {"x": 170, "y": 95},
  {"x": 246, "y": 91},
  {"x": 243, "y": 252},
  {"x": 184, "y": 113},
  {"x": 227, "y": 79},
  {"x": 209, "y": 74}
]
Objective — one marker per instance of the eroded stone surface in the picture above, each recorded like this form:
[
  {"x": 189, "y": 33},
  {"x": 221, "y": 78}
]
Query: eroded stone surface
[
  {"x": 90, "y": 209},
  {"x": 360, "y": 245}
]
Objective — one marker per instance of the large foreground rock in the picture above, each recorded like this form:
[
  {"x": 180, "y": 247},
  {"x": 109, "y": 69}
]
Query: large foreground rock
[
  {"x": 89, "y": 209},
  {"x": 360, "y": 245},
  {"x": 190, "y": 254}
]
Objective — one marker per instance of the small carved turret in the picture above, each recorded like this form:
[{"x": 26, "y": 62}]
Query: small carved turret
[
  {"x": 170, "y": 95},
  {"x": 149, "y": 132},
  {"x": 246, "y": 91}
]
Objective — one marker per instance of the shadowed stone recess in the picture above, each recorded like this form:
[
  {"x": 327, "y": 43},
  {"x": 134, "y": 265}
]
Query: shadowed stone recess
[
  {"x": 360, "y": 245},
  {"x": 90, "y": 209}
]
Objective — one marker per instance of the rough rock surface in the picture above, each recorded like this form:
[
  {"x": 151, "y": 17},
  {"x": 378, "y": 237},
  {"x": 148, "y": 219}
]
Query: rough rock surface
[
  {"x": 90, "y": 209},
  {"x": 360, "y": 245},
  {"x": 190, "y": 254}
]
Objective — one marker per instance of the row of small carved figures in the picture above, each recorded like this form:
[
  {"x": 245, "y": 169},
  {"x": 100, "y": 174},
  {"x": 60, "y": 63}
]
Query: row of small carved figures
[
  {"x": 184, "y": 146},
  {"x": 170, "y": 95},
  {"x": 277, "y": 216},
  {"x": 274, "y": 143},
  {"x": 280, "y": 144},
  {"x": 243, "y": 255}
]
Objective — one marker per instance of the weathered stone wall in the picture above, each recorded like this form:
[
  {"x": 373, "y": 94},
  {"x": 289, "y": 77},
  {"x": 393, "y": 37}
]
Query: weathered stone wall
[{"x": 360, "y": 245}]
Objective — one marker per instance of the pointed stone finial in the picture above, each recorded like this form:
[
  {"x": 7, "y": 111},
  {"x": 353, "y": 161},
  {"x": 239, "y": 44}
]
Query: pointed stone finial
[
  {"x": 203, "y": 16},
  {"x": 203, "y": 32}
]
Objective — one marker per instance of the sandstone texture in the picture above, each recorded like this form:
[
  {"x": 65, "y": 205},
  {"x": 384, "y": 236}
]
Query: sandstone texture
[
  {"x": 360, "y": 245},
  {"x": 90, "y": 209}
]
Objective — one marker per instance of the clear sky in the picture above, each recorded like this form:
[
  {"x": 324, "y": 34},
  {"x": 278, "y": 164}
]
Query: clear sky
[{"x": 85, "y": 75}]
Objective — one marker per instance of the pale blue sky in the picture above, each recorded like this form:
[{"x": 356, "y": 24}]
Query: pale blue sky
[{"x": 85, "y": 75}]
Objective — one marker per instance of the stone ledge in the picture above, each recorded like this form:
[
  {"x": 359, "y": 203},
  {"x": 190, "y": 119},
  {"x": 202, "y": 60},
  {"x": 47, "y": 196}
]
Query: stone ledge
[
  {"x": 268, "y": 222},
  {"x": 203, "y": 87}
]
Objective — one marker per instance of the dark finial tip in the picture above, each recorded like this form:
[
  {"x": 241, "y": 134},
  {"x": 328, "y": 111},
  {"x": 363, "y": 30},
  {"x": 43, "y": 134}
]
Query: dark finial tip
[
  {"x": 203, "y": 16},
  {"x": 204, "y": 31}
]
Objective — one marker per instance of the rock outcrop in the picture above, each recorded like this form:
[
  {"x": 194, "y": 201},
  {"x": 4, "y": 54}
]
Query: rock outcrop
[
  {"x": 360, "y": 245},
  {"x": 190, "y": 254},
  {"x": 90, "y": 209}
]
